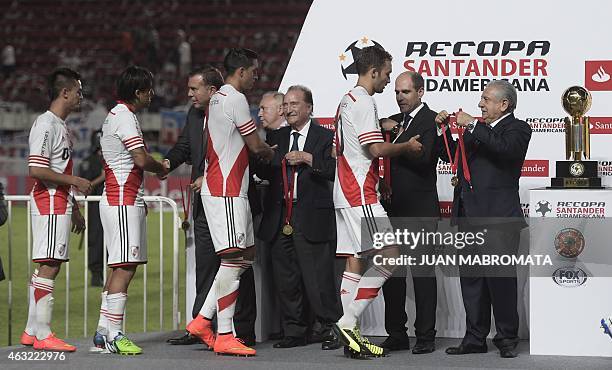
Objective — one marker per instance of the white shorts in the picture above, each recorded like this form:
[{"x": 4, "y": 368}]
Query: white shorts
[
  {"x": 125, "y": 234},
  {"x": 354, "y": 222},
  {"x": 50, "y": 236},
  {"x": 230, "y": 223}
]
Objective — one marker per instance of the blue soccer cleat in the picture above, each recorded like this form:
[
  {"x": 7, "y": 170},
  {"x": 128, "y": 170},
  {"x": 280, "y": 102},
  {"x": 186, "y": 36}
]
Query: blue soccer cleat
[{"x": 99, "y": 342}]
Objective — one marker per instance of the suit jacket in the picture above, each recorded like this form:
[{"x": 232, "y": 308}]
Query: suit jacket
[
  {"x": 495, "y": 159},
  {"x": 191, "y": 148},
  {"x": 414, "y": 179},
  {"x": 315, "y": 206}
]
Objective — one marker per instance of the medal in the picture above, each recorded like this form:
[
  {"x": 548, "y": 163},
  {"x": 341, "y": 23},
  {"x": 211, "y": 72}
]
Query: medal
[
  {"x": 185, "y": 224},
  {"x": 287, "y": 230},
  {"x": 455, "y": 162},
  {"x": 454, "y": 181}
]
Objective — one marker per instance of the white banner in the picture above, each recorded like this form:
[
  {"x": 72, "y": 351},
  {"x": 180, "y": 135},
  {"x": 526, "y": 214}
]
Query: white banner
[
  {"x": 541, "y": 47},
  {"x": 474, "y": 42}
]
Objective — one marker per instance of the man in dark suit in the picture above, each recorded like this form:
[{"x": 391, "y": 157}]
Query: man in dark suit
[
  {"x": 414, "y": 199},
  {"x": 495, "y": 149},
  {"x": 301, "y": 243},
  {"x": 190, "y": 148}
]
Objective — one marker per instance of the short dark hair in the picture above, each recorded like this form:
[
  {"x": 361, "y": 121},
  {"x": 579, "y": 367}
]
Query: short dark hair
[
  {"x": 133, "y": 78},
  {"x": 210, "y": 75},
  {"x": 61, "y": 78},
  {"x": 238, "y": 57},
  {"x": 371, "y": 57},
  {"x": 305, "y": 90}
]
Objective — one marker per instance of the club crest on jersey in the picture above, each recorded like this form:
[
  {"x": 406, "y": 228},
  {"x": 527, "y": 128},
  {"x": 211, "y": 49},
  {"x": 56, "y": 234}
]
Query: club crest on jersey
[
  {"x": 240, "y": 239},
  {"x": 135, "y": 251},
  {"x": 61, "y": 249}
]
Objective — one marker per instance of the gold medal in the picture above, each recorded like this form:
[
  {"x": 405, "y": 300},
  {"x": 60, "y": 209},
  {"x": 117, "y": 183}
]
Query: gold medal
[
  {"x": 287, "y": 229},
  {"x": 454, "y": 180},
  {"x": 185, "y": 225}
]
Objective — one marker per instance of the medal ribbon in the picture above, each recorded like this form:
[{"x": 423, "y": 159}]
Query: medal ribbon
[
  {"x": 287, "y": 193},
  {"x": 185, "y": 207},
  {"x": 455, "y": 162}
]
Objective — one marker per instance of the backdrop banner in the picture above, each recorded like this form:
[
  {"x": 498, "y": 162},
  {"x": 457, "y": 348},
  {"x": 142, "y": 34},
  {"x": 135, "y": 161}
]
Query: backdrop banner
[{"x": 459, "y": 47}]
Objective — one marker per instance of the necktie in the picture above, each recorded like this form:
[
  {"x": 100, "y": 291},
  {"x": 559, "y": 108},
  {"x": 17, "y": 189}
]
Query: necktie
[
  {"x": 407, "y": 119},
  {"x": 294, "y": 147}
]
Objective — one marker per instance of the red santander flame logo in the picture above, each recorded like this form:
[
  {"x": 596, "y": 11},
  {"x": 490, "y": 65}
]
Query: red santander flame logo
[{"x": 597, "y": 75}]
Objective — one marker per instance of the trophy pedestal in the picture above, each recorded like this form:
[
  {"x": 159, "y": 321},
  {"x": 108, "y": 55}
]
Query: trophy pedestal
[{"x": 576, "y": 174}]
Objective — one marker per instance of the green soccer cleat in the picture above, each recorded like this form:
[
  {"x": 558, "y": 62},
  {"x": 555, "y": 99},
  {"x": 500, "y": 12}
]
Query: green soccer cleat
[
  {"x": 357, "y": 346},
  {"x": 123, "y": 346},
  {"x": 372, "y": 349},
  {"x": 347, "y": 338}
]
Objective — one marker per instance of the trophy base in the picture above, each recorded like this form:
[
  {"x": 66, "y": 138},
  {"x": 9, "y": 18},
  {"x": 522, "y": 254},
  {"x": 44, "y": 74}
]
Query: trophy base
[
  {"x": 576, "y": 175},
  {"x": 575, "y": 183},
  {"x": 576, "y": 168}
]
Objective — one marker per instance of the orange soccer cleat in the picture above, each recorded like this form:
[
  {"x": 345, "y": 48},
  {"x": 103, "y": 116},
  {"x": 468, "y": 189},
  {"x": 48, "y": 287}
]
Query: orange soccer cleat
[
  {"x": 227, "y": 344},
  {"x": 27, "y": 339},
  {"x": 53, "y": 343},
  {"x": 202, "y": 328}
]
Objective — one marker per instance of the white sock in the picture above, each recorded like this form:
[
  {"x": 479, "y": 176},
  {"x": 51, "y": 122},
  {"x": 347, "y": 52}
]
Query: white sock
[
  {"x": 43, "y": 296},
  {"x": 103, "y": 321},
  {"x": 228, "y": 281},
  {"x": 367, "y": 290},
  {"x": 348, "y": 288},
  {"x": 209, "y": 308},
  {"x": 30, "y": 328},
  {"x": 114, "y": 313}
]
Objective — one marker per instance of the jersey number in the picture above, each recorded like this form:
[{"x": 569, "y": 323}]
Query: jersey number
[{"x": 65, "y": 154}]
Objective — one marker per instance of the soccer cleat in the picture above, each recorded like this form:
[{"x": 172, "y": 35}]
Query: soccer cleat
[
  {"x": 229, "y": 345},
  {"x": 123, "y": 346},
  {"x": 357, "y": 346},
  {"x": 372, "y": 349},
  {"x": 606, "y": 324},
  {"x": 53, "y": 343},
  {"x": 27, "y": 339},
  {"x": 99, "y": 343},
  {"x": 347, "y": 338},
  {"x": 202, "y": 328},
  {"x": 99, "y": 340}
]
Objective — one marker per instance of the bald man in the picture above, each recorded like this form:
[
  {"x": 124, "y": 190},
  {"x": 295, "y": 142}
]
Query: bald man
[
  {"x": 271, "y": 111},
  {"x": 413, "y": 195}
]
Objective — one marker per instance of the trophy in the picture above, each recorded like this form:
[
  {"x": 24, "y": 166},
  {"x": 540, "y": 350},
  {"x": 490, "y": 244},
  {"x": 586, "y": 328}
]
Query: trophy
[{"x": 575, "y": 172}]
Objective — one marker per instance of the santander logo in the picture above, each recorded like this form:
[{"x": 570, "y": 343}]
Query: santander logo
[{"x": 535, "y": 168}]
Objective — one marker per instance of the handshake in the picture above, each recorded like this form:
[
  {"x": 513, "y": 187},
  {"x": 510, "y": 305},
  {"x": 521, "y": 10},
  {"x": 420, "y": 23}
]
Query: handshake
[{"x": 163, "y": 174}]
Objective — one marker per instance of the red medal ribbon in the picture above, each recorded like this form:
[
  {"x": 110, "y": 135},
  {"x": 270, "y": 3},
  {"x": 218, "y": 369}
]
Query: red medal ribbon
[
  {"x": 466, "y": 169},
  {"x": 455, "y": 161},
  {"x": 288, "y": 193},
  {"x": 185, "y": 207}
]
